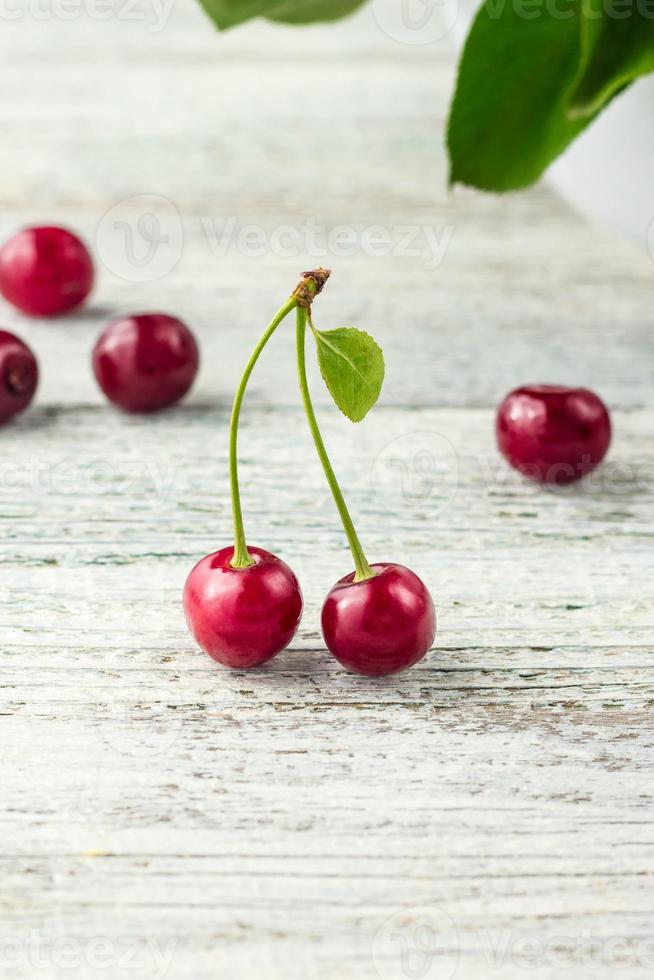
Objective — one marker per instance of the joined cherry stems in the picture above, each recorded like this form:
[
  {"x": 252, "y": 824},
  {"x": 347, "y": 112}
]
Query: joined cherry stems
[{"x": 300, "y": 300}]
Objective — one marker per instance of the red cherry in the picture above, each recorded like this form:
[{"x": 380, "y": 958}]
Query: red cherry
[
  {"x": 380, "y": 625},
  {"x": 45, "y": 271},
  {"x": 553, "y": 434},
  {"x": 145, "y": 362},
  {"x": 19, "y": 375},
  {"x": 242, "y": 616}
]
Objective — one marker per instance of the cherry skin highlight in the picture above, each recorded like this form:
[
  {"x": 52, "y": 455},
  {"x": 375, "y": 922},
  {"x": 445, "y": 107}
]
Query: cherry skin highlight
[
  {"x": 380, "y": 625},
  {"x": 19, "y": 375},
  {"x": 242, "y": 617},
  {"x": 146, "y": 362},
  {"x": 45, "y": 271},
  {"x": 553, "y": 434}
]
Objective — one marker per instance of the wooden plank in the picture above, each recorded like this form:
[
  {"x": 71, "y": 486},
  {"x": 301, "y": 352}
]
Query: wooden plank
[{"x": 487, "y": 813}]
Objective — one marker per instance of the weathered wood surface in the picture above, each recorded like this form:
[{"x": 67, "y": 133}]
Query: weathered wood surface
[{"x": 491, "y": 809}]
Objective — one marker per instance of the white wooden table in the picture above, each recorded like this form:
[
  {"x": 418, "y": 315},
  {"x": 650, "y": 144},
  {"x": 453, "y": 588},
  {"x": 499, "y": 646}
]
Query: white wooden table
[{"x": 488, "y": 813}]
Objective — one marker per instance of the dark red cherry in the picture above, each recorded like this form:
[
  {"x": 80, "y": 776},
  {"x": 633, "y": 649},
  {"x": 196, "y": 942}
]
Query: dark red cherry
[
  {"x": 242, "y": 616},
  {"x": 19, "y": 375},
  {"x": 146, "y": 362},
  {"x": 380, "y": 625},
  {"x": 553, "y": 434},
  {"x": 45, "y": 271}
]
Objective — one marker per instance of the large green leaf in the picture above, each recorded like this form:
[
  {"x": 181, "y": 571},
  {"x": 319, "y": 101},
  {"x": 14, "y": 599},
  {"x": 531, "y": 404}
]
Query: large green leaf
[
  {"x": 617, "y": 45},
  {"x": 308, "y": 11},
  {"x": 509, "y": 118},
  {"x": 352, "y": 366},
  {"x": 228, "y": 13}
]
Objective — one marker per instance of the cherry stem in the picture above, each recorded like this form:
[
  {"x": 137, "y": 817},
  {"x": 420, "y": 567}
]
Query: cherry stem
[
  {"x": 241, "y": 557},
  {"x": 362, "y": 568}
]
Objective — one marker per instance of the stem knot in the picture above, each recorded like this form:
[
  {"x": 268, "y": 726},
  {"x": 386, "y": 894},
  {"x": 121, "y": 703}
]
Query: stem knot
[{"x": 309, "y": 286}]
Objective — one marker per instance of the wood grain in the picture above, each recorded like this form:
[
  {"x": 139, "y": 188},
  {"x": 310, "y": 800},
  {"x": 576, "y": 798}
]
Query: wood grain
[{"x": 486, "y": 814}]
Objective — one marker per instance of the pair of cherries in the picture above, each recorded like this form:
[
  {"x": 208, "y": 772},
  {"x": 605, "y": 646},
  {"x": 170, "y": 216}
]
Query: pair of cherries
[
  {"x": 242, "y": 617},
  {"x": 243, "y": 605},
  {"x": 142, "y": 363}
]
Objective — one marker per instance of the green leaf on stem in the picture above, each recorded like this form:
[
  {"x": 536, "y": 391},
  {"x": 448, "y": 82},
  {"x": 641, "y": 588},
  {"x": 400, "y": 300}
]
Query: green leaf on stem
[
  {"x": 533, "y": 75},
  {"x": 617, "y": 45},
  {"x": 308, "y": 11},
  {"x": 509, "y": 117},
  {"x": 229, "y": 13},
  {"x": 352, "y": 367}
]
